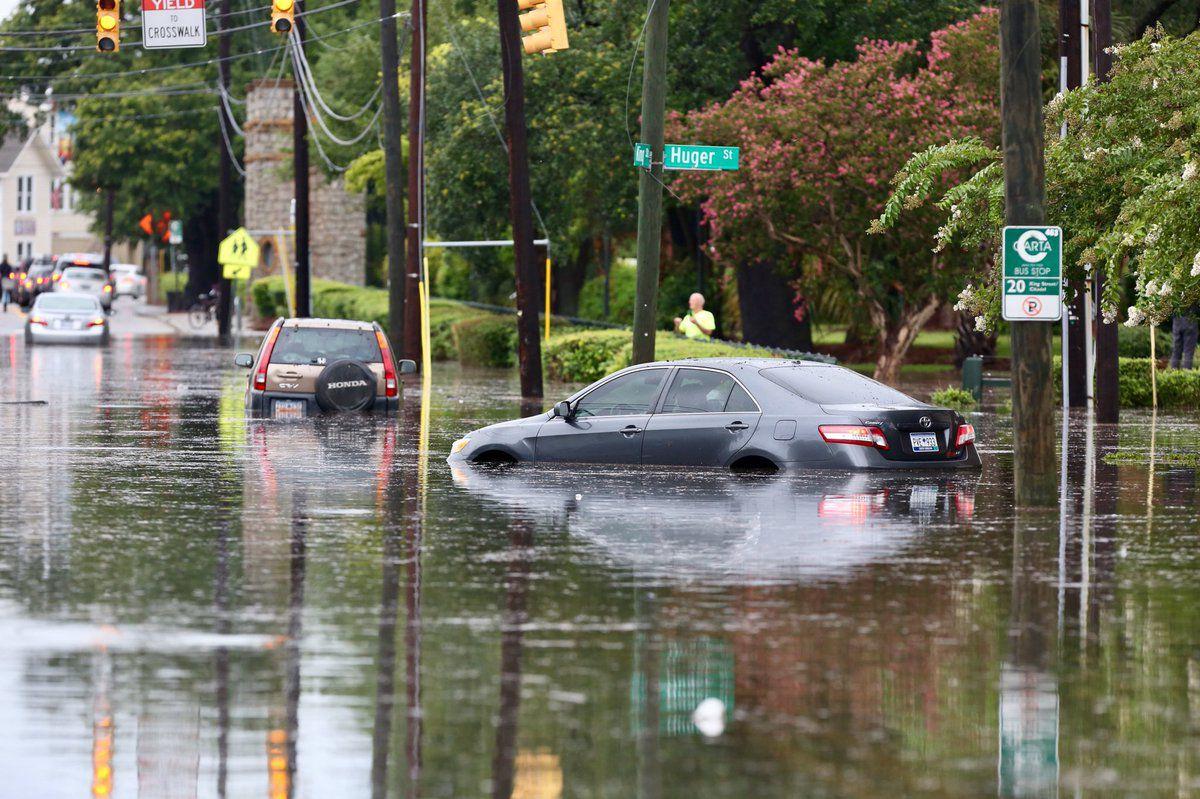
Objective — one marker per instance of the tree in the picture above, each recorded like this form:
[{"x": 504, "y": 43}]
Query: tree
[
  {"x": 818, "y": 145},
  {"x": 1124, "y": 185}
]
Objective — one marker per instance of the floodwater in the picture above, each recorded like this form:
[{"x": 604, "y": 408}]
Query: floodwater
[{"x": 192, "y": 604}]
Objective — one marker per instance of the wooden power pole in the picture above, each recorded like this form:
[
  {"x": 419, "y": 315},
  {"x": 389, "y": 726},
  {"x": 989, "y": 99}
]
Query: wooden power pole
[
  {"x": 393, "y": 169},
  {"x": 300, "y": 167},
  {"x": 1108, "y": 403},
  {"x": 1025, "y": 204},
  {"x": 529, "y": 348},
  {"x": 411, "y": 326},
  {"x": 654, "y": 98},
  {"x": 226, "y": 207}
]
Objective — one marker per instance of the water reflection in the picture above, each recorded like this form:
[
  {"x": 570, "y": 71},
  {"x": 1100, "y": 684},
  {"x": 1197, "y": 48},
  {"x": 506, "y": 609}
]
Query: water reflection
[{"x": 715, "y": 525}]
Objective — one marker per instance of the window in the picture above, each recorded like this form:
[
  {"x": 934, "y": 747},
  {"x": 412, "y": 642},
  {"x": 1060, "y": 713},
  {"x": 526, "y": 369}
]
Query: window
[
  {"x": 628, "y": 394},
  {"x": 699, "y": 391},
  {"x": 60, "y": 195},
  {"x": 65, "y": 302},
  {"x": 84, "y": 273},
  {"x": 740, "y": 402},
  {"x": 24, "y": 192},
  {"x": 24, "y": 250},
  {"x": 319, "y": 345},
  {"x": 834, "y": 385}
]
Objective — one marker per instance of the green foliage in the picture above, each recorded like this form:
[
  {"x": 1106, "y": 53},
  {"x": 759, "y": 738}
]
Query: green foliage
[
  {"x": 622, "y": 293},
  {"x": 171, "y": 281},
  {"x": 1177, "y": 388},
  {"x": 583, "y": 357},
  {"x": 1134, "y": 342},
  {"x": 486, "y": 341},
  {"x": 956, "y": 399}
]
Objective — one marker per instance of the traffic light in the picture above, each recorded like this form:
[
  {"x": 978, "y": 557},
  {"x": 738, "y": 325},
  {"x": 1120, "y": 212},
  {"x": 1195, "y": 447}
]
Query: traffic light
[
  {"x": 548, "y": 24},
  {"x": 282, "y": 12},
  {"x": 108, "y": 26}
]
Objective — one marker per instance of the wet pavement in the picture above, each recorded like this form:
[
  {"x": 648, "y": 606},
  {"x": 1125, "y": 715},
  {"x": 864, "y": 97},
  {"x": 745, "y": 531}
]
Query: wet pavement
[{"x": 193, "y": 604}]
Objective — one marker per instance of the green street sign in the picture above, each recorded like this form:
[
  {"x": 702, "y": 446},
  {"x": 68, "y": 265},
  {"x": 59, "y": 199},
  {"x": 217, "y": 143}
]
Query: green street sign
[
  {"x": 1031, "y": 280},
  {"x": 689, "y": 156}
]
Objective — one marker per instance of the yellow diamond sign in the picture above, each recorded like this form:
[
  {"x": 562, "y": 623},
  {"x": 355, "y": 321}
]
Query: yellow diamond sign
[{"x": 238, "y": 255}]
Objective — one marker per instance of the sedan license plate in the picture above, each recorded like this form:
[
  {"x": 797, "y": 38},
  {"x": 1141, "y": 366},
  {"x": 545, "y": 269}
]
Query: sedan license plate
[
  {"x": 923, "y": 442},
  {"x": 288, "y": 409}
]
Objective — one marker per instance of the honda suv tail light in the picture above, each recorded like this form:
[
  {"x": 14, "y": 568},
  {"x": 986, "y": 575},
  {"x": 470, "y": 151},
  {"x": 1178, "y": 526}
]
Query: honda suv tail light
[
  {"x": 966, "y": 435},
  {"x": 862, "y": 435},
  {"x": 260, "y": 374},
  {"x": 390, "y": 387}
]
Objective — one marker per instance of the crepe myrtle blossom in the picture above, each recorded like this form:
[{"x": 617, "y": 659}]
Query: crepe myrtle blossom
[{"x": 1136, "y": 317}]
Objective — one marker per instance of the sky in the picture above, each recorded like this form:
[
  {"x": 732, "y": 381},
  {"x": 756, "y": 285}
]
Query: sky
[{"x": 7, "y": 6}]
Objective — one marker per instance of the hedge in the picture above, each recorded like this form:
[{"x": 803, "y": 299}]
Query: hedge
[
  {"x": 486, "y": 341},
  {"x": 1177, "y": 388},
  {"x": 590, "y": 355}
]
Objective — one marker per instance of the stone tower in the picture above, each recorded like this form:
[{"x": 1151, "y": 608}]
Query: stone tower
[{"x": 337, "y": 219}]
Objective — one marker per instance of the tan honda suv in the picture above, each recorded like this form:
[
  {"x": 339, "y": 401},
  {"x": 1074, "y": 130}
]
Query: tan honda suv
[{"x": 306, "y": 367}]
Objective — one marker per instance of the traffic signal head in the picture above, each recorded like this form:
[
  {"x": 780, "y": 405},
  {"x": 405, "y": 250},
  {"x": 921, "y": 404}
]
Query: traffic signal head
[
  {"x": 282, "y": 12},
  {"x": 108, "y": 25},
  {"x": 548, "y": 24}
]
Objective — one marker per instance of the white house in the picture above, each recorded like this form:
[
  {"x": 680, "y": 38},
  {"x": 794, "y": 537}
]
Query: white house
[{"x": 37, "y": 213}]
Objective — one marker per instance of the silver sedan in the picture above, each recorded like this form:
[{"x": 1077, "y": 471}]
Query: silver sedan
[{"x": 66, "y": 318}]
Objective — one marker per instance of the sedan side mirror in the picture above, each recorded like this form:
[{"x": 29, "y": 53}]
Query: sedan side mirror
[
  {"x": 563, "y": 410},
  {"x": 408, "y": 367},
  {"x": 244, "y": 360}
]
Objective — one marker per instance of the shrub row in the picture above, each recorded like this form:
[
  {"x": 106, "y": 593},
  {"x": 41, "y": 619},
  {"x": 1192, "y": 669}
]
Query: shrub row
[{"x": 1177, "y": 388}]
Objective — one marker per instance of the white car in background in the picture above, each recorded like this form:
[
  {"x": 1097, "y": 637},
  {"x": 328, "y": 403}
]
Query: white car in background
[
  {"x": 62, "y": 317},
  {"x": 91, "y": 280},
  {"x": 128, "y": 280}
]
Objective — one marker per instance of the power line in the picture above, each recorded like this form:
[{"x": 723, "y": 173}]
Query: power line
[
  {"x": 228, "y": 144},
  {"x": 139, "y": 117},
  {"x": 190, "y": 65},
  {"x": 304, "y": 69}
]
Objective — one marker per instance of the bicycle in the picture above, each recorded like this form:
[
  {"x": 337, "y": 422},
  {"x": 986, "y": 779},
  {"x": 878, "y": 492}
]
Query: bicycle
[{"x": 203, "y": 310}]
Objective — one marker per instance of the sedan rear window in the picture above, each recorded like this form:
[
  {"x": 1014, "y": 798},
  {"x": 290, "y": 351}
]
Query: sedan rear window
[
  {"x": 316, "y": 345},
  {"x": 63, "y": 302},
  {"x": 834, "y": 385},
  {"x": 83, "y": 273}
]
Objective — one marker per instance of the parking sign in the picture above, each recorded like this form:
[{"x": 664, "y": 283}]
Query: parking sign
[{"x": 1031, "y": 281}]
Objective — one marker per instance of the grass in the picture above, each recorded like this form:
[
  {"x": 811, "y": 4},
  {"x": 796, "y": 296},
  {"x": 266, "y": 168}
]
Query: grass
[{"x": 831, "y": 335}]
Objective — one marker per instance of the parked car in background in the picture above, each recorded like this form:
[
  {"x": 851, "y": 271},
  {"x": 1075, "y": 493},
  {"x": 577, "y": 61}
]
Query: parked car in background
[
  {"x": 63, "y": 262},
  {"x": 61, "y": 317},
  {"x": 37, "y": 278},
  {"x": 91, "y": 280},
  {"x": 128, "y": 280},
  {"x": 306, "y": 367}
]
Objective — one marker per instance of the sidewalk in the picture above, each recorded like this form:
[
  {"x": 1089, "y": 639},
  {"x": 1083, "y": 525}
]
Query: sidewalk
[{"x": 178, "y": 321}]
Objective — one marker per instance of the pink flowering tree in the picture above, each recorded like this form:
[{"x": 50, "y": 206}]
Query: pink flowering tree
[{"x": 819, "y": 145}]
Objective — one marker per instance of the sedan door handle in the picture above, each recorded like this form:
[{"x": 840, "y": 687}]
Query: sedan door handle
[
  {"x": 631, "y": 430},
  {"x": 735, "y": 427}
]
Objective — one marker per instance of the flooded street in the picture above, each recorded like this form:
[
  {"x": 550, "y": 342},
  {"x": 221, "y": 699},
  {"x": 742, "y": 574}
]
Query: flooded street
[{"x": 196, "y": 604}]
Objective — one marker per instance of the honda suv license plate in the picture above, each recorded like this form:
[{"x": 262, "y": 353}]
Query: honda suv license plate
[
  {"x": 923, "y": 442},
  {"x": 288, "y": 409}
]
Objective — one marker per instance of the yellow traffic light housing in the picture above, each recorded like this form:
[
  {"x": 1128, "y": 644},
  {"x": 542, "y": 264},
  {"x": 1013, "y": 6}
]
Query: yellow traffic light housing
[
  {"x": 108, "y": 26},
  {"x": 548, "y": 23},
  {"x": 282, "y": 15}
]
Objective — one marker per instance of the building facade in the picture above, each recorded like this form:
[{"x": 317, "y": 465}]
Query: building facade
[
  {"x": 37, "y": 204},
  {"x": 337, "y": 219}
]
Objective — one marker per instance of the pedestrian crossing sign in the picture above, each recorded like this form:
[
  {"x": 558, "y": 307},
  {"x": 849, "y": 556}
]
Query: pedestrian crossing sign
[{"x": 238, "y": 255}]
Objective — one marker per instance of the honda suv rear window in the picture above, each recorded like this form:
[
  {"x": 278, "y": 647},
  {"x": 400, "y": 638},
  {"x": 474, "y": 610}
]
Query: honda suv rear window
[
  {"x": 833, "y": 385},
  {"x": 317, "y": 345}
]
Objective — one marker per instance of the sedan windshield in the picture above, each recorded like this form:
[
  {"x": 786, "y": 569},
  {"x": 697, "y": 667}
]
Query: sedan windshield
[
  {"x": 833, "y": 385},
  {"x": 65, "y": 302},
  {"x": 318, "y": 345}
]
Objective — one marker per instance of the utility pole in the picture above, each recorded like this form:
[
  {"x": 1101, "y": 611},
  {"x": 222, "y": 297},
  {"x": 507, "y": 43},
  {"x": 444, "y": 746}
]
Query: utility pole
[
  {"x": 654, "y": 98},
  {"x": 1025, "y": 201},
  {"x": 225, "y": 201},
  {"x": 1072, "y": 69},
  {"x": 300, "y": 167},
  {"x": 1108, "y": 404},
  {"x": 393, "y": 169},
  {"x": 529, "y": 349},
  {"x": 110, "y": 196},
  {"x": 411, "y": 344}
]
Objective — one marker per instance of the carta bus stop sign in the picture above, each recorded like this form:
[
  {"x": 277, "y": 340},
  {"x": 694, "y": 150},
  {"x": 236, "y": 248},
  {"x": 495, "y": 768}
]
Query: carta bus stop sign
[
  {"x": 1031, "y": 283},
  {"x": 689, "y": 156}
]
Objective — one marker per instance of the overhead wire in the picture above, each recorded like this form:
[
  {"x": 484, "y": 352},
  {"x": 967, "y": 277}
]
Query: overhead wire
[
  {"x": 305, "y": 92},
  {"x": 233, "y": 159},
  {"x": 304, "y": 69}
]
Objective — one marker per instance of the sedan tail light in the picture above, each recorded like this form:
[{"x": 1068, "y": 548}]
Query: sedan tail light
[
  {"x": 107, "y": 288},
  {"x": 966, "y": 435},
  {"x": 862, "y": 435},
  {"x": 37, "y": 320},
  {"x": 390, "y": 387},
  {"x": 97, "y": 321},
  {"x": 62, "y": 284},
  {"x": 260, "y": 374}
]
